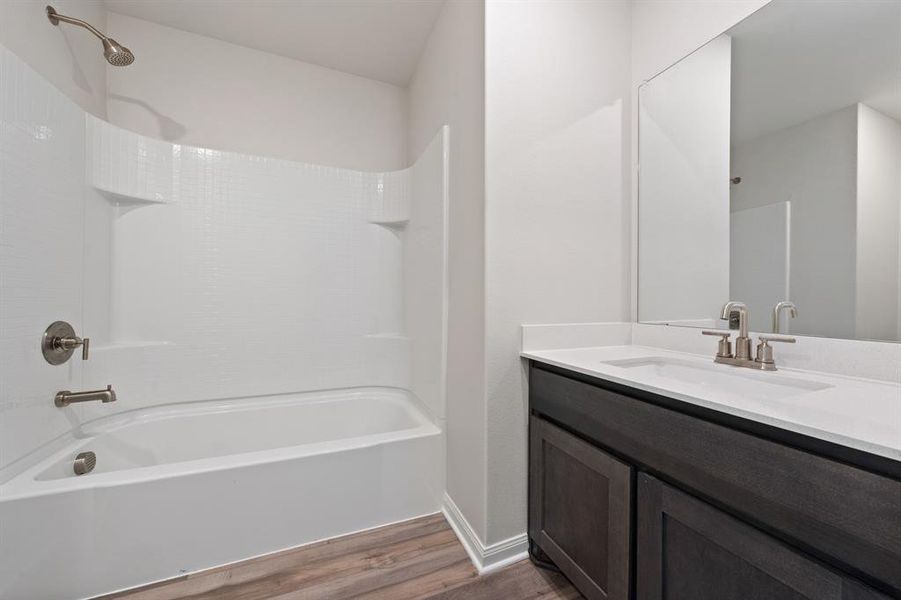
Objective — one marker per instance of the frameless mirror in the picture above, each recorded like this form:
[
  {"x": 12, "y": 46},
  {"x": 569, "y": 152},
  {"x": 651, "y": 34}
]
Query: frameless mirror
[{"x": 770, "y": 171}]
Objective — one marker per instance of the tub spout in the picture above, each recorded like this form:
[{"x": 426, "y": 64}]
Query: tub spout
[{"x": 65, "y": 397}]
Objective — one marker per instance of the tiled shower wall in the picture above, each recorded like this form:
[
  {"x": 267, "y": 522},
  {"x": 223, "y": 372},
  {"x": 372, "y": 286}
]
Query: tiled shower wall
[
  {"x": 41, "y": 259},
  {"x": 211, "y": 274}
]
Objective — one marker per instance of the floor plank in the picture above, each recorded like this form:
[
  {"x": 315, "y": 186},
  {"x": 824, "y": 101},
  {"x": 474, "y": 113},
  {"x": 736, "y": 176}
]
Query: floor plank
[
  {"x": 419, "y": 559},
  {"x": 520, "y": 581},
  {"x": 297, "y": 558},
  {"x": 426, "y": 585}
]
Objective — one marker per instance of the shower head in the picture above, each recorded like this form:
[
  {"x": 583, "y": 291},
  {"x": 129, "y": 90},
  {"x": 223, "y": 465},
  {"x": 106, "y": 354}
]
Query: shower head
[{"x": 115, "y": 53}]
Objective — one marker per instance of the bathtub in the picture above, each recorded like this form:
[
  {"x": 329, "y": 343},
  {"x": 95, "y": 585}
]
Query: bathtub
[{"x": 185, "y": 487}]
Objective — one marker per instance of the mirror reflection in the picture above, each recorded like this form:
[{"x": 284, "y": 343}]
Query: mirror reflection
[{"x": 770, "y": 173}]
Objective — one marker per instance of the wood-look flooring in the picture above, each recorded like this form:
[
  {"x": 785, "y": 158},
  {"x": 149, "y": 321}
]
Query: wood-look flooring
[{"x": 418, "y": 559}]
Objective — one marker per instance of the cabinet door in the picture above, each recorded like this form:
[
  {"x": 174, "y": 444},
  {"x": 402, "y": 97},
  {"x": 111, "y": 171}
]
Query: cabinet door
[
  {"x": 580, "y": 510},
  {"x": 688, "y": 550}
]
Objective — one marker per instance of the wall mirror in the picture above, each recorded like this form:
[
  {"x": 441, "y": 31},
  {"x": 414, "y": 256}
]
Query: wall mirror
[{"x": 770, "y": 171}]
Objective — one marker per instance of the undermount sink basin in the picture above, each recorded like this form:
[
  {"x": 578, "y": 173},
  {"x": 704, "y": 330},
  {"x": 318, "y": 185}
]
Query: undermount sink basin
[{"x": 723, "y": 379}]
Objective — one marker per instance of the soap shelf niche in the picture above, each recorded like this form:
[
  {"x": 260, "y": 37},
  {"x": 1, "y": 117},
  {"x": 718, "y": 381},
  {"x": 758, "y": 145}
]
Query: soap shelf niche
[
  {"x": 397, "y": 223},
  {"x": 389, "y": 197},
  {"x": 120, "y": 199},
  {"x": 128, "y": 168}
]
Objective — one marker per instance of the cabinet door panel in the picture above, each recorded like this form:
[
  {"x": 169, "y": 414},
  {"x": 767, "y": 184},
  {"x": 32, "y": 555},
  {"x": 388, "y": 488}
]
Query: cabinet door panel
[
  {"x": 580, "y": 510},
  {"x": 689, "y": 550}
]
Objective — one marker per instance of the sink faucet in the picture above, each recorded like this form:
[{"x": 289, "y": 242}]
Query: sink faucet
[
  {"x": 742, "y": 342},
  {"x": 763, "y": 361},
  {"x": 65, "y": 397},
  {"x": 780, "y": 306}
]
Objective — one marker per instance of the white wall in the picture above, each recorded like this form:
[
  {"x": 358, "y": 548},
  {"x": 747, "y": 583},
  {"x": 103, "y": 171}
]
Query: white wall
[
  {"x": 557, "y": 100},
  {"x": 228, "y": 97},
  {"x": 69, "y": 57},
  {"x": 664, "y": 31},
  {"x": 558, "y": 108},
  {"x": 814, "y": 166},
  {"x": 878, "y": 204},
  {"x": 197, "y": 90},
  {"x": 683, "y": 220},
  {"x": 448, "y": 88}
]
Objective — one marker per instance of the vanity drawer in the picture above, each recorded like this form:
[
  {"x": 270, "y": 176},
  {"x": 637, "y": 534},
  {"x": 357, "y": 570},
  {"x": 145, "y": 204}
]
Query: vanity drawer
[{"x": 837, "y": 512}]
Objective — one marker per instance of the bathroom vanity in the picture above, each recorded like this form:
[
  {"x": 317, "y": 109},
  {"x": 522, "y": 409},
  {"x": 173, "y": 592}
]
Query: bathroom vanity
[
  {"x": 649, "y": 495},
  {"x": 767, "y": 203}
]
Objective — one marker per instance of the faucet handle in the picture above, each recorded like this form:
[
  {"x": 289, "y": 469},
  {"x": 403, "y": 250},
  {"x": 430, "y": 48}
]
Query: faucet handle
[
  {"x": 719, "y": 332},
  {"x": 777, "y": 338},
  {"x": 765, "y": 351},
  {"x": 724, "y": 348}
]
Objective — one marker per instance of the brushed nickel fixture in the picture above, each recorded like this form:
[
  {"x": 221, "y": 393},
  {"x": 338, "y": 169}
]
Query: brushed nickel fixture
[
  {"x": 780, "y": 306},
  {"x": 84, "y": 463},
  {"x": 765, "y": 351},
  {"x": 115, "y": 53},
  {"x": 65, "y": 397},
  {"x": 742, "y": 342},
  {"x": 763, "y": 360},
  {"x": 60, "y": 341},
  {"x": 724, "y": 348}
]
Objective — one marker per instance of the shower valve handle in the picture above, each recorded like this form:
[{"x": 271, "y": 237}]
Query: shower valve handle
[
  {"x": 59, "y": 343},
  {"x": 74, "y": 342}
]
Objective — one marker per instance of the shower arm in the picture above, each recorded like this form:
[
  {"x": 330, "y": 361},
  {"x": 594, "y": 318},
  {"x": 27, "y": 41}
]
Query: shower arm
[
  {"x": 55, "y": 18},
  {"x": 115, "y": 53}
]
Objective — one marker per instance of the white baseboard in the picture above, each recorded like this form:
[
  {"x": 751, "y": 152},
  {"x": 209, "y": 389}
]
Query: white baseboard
[{"x": 485, "y": 558}]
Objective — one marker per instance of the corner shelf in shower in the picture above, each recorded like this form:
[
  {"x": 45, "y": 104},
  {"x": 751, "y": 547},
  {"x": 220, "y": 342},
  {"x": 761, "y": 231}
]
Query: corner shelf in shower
[
  {"x": 389, "y": 197},
  {"x": 127, "y": 167},
  {"x": 121, "y": 199},
  {"x": 391, "y": 223}
]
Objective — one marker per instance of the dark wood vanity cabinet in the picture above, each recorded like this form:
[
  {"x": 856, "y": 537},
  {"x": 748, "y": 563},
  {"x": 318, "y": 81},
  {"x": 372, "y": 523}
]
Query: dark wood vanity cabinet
[
  {"x": 634, "y": 498},
  {"x": 580, "y": 507},
  {"x": 687, "y": 549}
]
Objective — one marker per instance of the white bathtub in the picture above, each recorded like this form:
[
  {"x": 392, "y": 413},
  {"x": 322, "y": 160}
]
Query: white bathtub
[{"x": 185, "y": 487}]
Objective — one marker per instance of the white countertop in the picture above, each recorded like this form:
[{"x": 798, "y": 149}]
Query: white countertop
[{"x": 863, "y": 414}]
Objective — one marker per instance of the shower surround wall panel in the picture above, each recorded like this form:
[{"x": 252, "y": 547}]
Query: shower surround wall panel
[
  {"x": 41, "y": 261},
  {"x": 238, "y": 275},
  {"x": 259, "y": 275},
  {"x": 424, "y": 268}
]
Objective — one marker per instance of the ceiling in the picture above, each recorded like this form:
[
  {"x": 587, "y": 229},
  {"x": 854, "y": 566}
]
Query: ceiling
[
  {"x": 378, "y": 39},
  {"x": 792, "y": 61}
]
